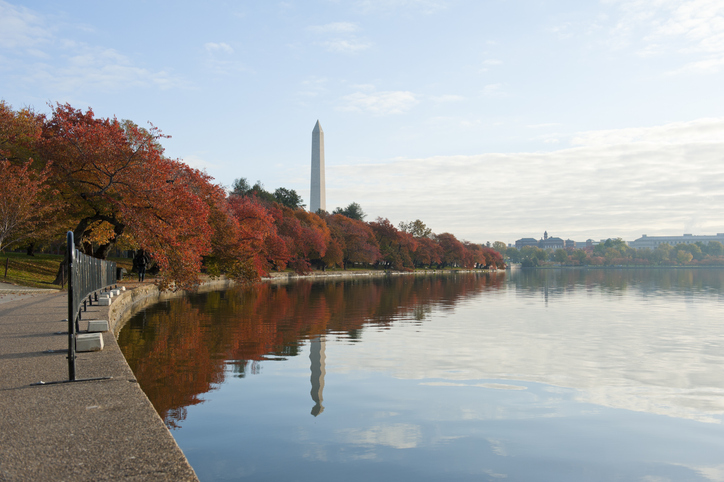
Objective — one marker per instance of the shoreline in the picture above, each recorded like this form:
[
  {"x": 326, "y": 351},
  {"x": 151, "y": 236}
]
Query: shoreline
[{"x": 136, "y": 299}]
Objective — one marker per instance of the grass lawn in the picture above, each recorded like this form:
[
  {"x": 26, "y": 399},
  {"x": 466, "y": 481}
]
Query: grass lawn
[{"x": 39, "y": 271}]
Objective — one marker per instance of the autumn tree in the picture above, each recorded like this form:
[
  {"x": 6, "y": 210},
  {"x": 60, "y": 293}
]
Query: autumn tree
[
  {"x": 306, "y": 236},
  {"x": 453, "y": 251},
  {"x": 26, "y": 208},
  {"x": 114, "y": 180},
  {"x": 428, "y": 252},
  {"x": 493, "y": 258},
  {"x": 27, "y": 201},
  {"x": 396, "y": 247},
  {"x": 355, "y": 238},
  {"x": 260, "y": 245}
]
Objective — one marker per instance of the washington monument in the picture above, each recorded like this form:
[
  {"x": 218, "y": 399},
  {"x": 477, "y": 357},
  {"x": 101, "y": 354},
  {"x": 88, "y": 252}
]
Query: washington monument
[{"x": 318, "y": 194}]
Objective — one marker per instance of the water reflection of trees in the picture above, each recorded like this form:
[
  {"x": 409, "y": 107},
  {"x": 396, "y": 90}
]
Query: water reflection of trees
[
  {"x": 178, "y": 350},
  {"x": 651, "y": 280}
]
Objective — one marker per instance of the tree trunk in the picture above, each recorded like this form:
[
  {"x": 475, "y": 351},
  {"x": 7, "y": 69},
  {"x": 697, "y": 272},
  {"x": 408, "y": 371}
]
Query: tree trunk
[
  {"x": 30, "y": 251},
  {"x": 62, "y": 273},
  {"x": 61, "y": 276},
  {"x": 103, "y": 250}
]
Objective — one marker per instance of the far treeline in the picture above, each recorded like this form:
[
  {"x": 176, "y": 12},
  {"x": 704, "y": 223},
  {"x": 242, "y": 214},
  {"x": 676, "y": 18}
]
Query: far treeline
[
  {"x": 615, "y": 252},
  {"x": 109, "y": 182}
]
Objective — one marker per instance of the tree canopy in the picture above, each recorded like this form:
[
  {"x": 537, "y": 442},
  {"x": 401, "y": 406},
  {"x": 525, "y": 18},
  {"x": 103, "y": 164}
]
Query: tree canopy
[
  {"x": 353, "y": 211},
  {"x": 109, "y": 181}
]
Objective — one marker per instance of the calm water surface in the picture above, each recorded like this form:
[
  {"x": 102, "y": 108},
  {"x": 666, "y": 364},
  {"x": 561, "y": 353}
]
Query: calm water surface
[{"x": 521, "y": 376}]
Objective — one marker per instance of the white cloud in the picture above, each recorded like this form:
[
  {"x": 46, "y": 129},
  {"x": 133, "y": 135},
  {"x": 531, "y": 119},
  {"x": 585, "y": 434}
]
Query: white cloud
[
  {"x": 447, "y": 98},
  {"x": 198, "y": 162},
  {"x": 313, "y": 86},
  {"x": 335, "y": 27},
  {"x": 40, "y": 56},
  {"x": 222, "y": 47},
  {"x": 345, "y": 45},
  {"x": 614, "y": 183},
  {"x": 398, "y": 435},
  {"x": 493, "y": 90},
  {"x": 98, "y": 68},
  {"x": 220, "y": 59},
  {"x": 544, "y": 125},
  {"x": 345, "y": 41},
  {"x": 693, "y": 28},
  {"x": 700, "y": 130},
  {"x": 487, "y": 64},
  {"x": 21, "y": 28},
  {"x": 380, "y": 103},
  {"x": 384, "y": 6},
  {"x": 708, "y": 66}
]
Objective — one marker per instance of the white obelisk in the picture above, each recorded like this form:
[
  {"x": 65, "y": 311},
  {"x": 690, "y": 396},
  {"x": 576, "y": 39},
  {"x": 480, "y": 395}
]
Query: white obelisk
[{"x": 318, "y": 194}]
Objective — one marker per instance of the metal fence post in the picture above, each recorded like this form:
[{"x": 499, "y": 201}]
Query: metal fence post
[{"x": 71, "y": 307}]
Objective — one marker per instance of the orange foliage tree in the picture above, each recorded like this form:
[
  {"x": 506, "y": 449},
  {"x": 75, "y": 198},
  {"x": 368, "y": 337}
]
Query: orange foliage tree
[
  {"x": 259, "y": 243},
  {"x": 396, "y": 247},
  {"x": 306, "y": 236},
  {"x": 113, "y": 174},
  {"x": 355, "y": 239},
  {"x": 27, "y": 204}
]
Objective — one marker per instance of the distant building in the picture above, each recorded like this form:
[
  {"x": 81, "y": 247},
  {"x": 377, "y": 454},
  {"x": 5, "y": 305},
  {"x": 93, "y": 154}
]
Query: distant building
[
  {"x": 653, "y": 242},
  {"x": 544, "y": 243},
  {"x": 570, "y": 244},
  {"x": 550, "y": 242},
  {"x": 526, "y": 242}
]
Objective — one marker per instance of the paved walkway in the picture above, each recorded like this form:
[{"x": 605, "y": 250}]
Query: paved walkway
[
  {"x": 95, "y": 430},
  {"x": 10, "y": 292}
]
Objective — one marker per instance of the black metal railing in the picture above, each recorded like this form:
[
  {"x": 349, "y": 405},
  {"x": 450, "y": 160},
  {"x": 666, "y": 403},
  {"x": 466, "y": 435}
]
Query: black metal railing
[{"x": 86, "y": 275}]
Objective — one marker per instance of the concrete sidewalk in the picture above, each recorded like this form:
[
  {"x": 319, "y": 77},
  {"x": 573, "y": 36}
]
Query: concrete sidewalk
[
  {"x": 95, "y": 430},
  {"x": 10, "y": 292}
]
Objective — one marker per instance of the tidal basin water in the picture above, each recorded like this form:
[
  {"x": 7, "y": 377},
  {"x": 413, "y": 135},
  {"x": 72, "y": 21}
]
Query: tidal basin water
[{"x": 530, "y": 375}]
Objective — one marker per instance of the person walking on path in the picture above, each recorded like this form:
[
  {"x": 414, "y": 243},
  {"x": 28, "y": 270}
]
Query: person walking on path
[{"x": 140, "y": 262}]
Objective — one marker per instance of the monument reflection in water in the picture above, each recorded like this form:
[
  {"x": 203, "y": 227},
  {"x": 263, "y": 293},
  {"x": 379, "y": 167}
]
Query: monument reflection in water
[{"x": 529, "y": 375}]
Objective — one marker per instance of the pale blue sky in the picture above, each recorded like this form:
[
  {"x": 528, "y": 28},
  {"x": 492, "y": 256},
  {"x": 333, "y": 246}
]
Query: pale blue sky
[{"x": 493, "y": 120}]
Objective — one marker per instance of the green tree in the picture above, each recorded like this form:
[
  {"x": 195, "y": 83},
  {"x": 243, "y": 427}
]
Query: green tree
[
  {"x": 240, "y": 187},
  {"x": 513, "y": 254},
  {"x": 353, "y": 211},
  {"x": 416, "y": 228},
  {"x": 714, "y": 248},
  {"x": 578, "y": 255},
  {"x": 684, "y": 257},
  {"x": 500, "y": 247},
  {"x": 560, "y": 255},
  {"x": 288, "y": 197}
]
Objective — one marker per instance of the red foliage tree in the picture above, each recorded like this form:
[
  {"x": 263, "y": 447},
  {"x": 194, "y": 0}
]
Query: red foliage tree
[
  {"x": 259, "y": 243},
  {"x": 27, "y": 204},
  {"x": 25, "y": 207},
  {"x": 453, "y": 251},
  {"x": 396, "y": 247},
  {"x": 428, "y": 252},
  {"x": 306, "y": 236},
  {"x": 355, "y": 238},
  {"x": 115, "y": 173}
]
